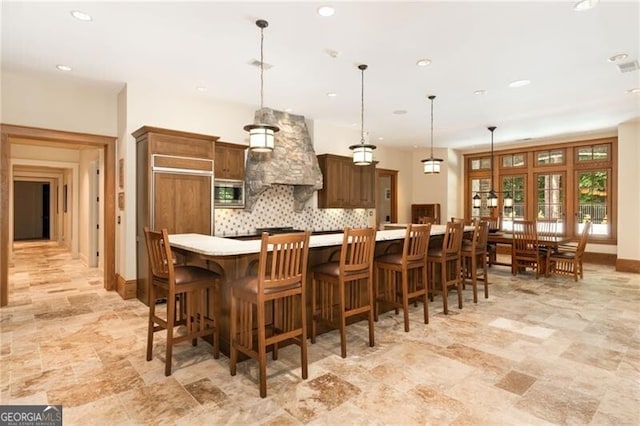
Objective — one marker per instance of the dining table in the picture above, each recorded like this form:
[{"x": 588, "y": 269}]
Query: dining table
[{"x": 551, "y": 242}]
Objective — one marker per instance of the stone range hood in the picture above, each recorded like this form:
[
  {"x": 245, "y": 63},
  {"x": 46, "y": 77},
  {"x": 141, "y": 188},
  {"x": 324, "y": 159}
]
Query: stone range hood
[{"x": 292, "y": 162}]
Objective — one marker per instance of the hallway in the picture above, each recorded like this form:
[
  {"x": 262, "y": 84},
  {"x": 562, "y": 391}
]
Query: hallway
[{"x": 547, "y": 351}]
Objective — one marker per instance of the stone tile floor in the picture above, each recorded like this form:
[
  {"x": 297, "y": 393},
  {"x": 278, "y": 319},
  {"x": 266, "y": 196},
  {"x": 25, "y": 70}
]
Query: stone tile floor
[{"x": 537, "y": 352}]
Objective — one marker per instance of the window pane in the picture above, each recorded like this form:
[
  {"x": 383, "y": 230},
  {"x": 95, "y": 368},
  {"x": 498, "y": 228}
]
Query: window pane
[
  {"x": 601, "y": 152},
  {"x": 550, "y": 196},
  {"x": 481, "y": 187},
  {"x": 593, "y": 201},
  {"x": 513, "y": 186},
  {"x": 542, "y": 157},
  {"x": 518, "y": 160},
  {"x": 481, "y": 163},
  {"x": 513, "y": 160},
  {"x": 585, "y": 153},
  {"x": 556, "y": 156},
  {"x": 550, "y": 157}
]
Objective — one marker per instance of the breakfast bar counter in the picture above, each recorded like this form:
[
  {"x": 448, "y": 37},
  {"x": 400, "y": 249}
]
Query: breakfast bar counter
[{"x": 233, "y": 258}]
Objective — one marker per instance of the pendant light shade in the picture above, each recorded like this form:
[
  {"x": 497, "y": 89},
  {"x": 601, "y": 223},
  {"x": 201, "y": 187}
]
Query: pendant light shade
[
  {"x": 261, "y": 136},
  {"x": 362, "y": 152},
  {"x": 477, "y": 201},
  {"x": 508, "y": 201},
  {"x": 492, "y": 200},
  {"x": 431, "y": 165}
]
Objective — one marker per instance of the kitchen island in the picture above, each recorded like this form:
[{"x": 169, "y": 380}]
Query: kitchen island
[{"x": 234, "y": 259}]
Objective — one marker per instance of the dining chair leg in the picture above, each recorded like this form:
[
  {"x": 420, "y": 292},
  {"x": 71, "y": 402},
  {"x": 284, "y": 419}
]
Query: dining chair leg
[
  {"x": 303, "y": 339},
  {"x": 370, "y": 285},
  {"x": 233, "y": 334},
  {"x": 425, "y": 297},
  {"x": 262, "y": 350},
  {"x": 459, "y": 282},
  {"x": 170, "y": 325},
  {"x": 443, "y": 283},
  {"x": 152, "y": 313},
  {"x": 405, "y": 299},
  {"x": 474, "y": 277},
  {"x": 314, "y": 318},
  {"x": 343, "y": 321}
]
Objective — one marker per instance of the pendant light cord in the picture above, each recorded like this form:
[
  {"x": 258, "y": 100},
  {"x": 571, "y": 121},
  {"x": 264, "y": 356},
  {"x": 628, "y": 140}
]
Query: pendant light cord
[
  {"x": 431, "y": 98},
  {"x": 362, "y": 105},
  {"x": 491, "y": 129},
  {"x": 261, "y": 66}
]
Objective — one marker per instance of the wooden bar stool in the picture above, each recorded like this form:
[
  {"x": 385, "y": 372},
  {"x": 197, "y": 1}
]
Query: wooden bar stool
[
  {"x": 281, "y": 284},
  {"x": 344, "y": 289},
  {"x": 405, "y": 274},
  {"x": 187, "y": 289},
  {"x": 448, "y": 259},
  {"x": 474, "y": 258}
]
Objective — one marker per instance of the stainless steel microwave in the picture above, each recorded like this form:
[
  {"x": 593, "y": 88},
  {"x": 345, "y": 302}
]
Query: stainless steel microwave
[{"x": 228, "y": 193}]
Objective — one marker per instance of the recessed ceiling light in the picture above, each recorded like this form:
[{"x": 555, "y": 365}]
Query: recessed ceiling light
[
  {"x": 288, "y": 110},
  {"x": 380, "y": 138},
  {"x": 201, "y": 89},
  {"x": 618, "y": 57},
  {"x": 400, "y": 111},
  {"x": 423, "y": 62},
  {"x": 326, "y": 11},
  {"x": 81, "y": 16},
  {"x": 332, "y": 94},
  {"x": 519, "y": 83},
  {"x": 634, "y": 90},
  {"x": 584, "y": 5},
  {"x": 63, "y": 67},
  {"x": 480, "y": 92}
]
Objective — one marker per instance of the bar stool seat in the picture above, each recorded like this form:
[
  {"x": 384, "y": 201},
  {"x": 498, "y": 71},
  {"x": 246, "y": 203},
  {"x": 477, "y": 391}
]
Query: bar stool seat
[
  {"x": 344, "y": 289},
  {"x": 278, "y": 292},
  {"x": 447, "y": 257},
  {"x": 474, "y": 259},
  {"x": 405, "y": 274},
  {"x": 192, "y": 298}
]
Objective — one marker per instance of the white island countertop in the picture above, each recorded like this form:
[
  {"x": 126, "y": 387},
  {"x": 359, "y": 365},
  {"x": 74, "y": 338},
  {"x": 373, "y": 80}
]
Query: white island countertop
[{"x": 208, "y": 245}]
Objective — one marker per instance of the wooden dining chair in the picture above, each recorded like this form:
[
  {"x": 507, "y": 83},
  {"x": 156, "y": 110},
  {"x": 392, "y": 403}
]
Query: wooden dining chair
[
  {"x": 344, "y": 289},
  {"x": 568, "y": 260},
  {"x": 525, "y": 250},
  {"x": 277, "y": 292},
  {"x": 446, "y": 260},
  {"x": 495, "y": 223},
  {"x": 192, "y": 295},
  {"x": 401, "y": 277},
  {"x": 474, "y": 259}
]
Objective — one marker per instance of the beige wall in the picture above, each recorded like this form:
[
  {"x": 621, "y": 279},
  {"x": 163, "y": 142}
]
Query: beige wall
[
  {"x": 629, "y": 190},
  {"x": 61, "y": 104},
  {"x": 430, "y": 189}
]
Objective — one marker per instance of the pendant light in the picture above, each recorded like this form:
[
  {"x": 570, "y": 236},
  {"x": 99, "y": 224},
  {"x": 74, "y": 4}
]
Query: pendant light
[
  {"x": 261, "y": 136},
  {"x": 431, "y": 165},
  {"x": 492, "y": 199},
  {"x": 362, "y": 152}
]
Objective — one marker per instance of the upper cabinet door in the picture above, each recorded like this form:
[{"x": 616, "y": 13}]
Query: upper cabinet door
[
  {"x": 229, "y": 161},
  {"x": 345, "y": 185}
]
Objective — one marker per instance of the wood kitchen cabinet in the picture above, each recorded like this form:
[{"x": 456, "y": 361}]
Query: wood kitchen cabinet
[
  {"x": 174, "y": 178},
  {"x": 429, "y": 210},
  {"x": 346, "y": 185},
  {"x": 229, "y": 161}
]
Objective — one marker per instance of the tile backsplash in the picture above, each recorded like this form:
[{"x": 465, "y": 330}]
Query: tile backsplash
[{"x": 275, "y": 208}]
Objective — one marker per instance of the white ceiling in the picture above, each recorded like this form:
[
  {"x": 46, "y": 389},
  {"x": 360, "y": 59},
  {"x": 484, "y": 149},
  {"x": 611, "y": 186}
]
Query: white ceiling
[{"x": 472, "y": 46}]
